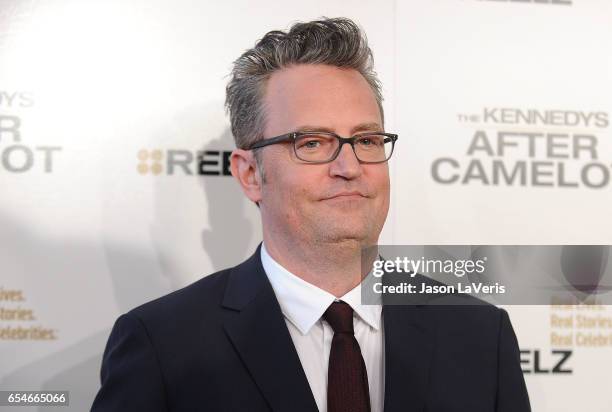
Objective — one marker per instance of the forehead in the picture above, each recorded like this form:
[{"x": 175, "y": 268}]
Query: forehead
[{"x": 322, "y": 95}]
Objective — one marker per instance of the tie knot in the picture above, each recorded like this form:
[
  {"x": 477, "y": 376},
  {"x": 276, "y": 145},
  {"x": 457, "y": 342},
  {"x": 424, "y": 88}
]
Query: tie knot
[{"x": 339, "y": 315}]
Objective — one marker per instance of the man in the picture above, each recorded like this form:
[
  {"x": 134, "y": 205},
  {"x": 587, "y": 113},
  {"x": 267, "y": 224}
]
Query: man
[{"x": 285, "y": 330}]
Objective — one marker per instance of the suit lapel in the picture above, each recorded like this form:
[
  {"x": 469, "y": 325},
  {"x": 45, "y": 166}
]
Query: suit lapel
[
  {"x": 409, "y": 341},
  {"x": 259, "y": 334}
]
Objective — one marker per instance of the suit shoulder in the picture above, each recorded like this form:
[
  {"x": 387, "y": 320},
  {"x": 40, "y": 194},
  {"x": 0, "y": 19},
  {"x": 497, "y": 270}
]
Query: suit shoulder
[
  {"x": 477, "y": 319},
  {"x": 192, "y": 299}
]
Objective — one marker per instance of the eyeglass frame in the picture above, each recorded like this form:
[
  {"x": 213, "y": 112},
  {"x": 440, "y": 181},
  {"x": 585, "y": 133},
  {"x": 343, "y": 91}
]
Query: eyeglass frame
[{"x": 292, "y": 136}]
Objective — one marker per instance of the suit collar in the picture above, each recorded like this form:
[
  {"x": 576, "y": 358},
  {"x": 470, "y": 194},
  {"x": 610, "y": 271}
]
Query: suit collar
[
  {"x": 409, "y": 347},
  {"x": 257, "y": 329},
  {"x": 245, "y": 281}
]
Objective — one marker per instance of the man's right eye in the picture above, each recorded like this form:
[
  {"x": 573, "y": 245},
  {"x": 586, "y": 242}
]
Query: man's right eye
[{"x": 311, "y": 142}]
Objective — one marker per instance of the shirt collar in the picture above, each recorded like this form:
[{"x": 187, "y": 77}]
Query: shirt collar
[
  {"x": 371, "y": 314},
  {"x": 303, "y": 303}
]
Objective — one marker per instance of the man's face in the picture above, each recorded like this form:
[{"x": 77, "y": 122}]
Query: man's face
[{"x": 332, "y": 202}]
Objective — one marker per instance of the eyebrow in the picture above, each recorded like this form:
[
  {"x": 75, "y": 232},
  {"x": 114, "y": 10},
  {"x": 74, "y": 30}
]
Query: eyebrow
[{"x": 363, "y": 127}]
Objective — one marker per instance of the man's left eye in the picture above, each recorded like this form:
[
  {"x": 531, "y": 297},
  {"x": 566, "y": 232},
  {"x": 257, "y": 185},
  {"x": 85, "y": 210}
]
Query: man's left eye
[{"x": 365, "y": 141}]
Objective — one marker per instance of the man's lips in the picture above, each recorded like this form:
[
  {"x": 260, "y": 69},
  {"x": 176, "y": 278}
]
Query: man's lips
[{"x": 351, "y": 194}]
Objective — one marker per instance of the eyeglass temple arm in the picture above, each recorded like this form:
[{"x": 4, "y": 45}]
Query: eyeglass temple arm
[
  {"x": 391, "y": 138},
  {"x": 273, "y": 140}
]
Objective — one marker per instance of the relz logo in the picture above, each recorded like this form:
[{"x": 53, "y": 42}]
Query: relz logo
[
  {"x": 554, "y": 363},
  {"x": 550, "y": 2},
  {"x": 184, "y": 162}
]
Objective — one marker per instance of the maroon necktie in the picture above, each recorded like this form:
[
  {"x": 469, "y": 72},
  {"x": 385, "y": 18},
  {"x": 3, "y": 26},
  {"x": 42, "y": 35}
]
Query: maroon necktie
[{"x": 347, "y": 378}]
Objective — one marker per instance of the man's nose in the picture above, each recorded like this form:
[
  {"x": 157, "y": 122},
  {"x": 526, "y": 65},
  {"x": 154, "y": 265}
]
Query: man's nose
[{"x": 346, "y": 165}]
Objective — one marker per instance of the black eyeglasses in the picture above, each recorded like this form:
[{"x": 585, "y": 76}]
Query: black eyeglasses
[{"x": 324, "y": 147}]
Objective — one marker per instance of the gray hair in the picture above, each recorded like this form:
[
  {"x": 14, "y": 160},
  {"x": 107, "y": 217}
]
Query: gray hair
[{"x": 333, "y": 41}]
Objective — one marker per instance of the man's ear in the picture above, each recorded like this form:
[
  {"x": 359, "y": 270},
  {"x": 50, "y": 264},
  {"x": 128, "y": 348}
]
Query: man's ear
[{"x": 244, "y": 168}]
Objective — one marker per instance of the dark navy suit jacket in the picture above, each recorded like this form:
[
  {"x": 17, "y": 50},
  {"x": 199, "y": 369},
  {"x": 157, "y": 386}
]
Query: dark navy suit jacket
[{"x": 221, "y": 344}]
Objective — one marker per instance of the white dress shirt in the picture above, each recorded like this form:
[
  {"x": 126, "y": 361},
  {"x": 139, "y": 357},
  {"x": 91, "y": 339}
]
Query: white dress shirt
[{"x": 303, "y": 305}]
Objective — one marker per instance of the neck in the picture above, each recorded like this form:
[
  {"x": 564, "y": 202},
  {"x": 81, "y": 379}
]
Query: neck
[{"x": 335, "y": 267}]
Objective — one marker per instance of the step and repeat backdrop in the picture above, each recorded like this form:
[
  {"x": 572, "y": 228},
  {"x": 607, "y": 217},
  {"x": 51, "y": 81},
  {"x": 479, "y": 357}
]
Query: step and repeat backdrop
[{"x": 114, "y": 162}]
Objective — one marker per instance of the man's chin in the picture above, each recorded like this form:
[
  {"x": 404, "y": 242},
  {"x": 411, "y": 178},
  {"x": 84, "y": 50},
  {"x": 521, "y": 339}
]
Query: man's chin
[{"x": 345, "y": 234}]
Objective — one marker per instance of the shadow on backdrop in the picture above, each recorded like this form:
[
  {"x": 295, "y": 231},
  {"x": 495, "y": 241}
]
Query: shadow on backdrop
[{"x": 137, "y": 275}]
